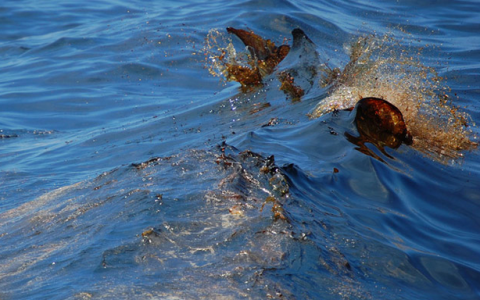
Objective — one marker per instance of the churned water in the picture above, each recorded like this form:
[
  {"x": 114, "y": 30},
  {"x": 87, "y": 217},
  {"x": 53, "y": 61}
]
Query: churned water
[{"x": 132, "y": 169}]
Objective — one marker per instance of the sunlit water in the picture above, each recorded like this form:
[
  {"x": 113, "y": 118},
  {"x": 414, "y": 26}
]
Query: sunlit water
[{"x": 129, "y": 171}]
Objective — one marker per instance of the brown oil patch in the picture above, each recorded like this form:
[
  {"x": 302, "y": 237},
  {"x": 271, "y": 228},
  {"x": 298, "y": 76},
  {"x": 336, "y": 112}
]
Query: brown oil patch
[
  {"x": 277, "y": 208},
  {"x": 266, "y": 55},
  {"x": 257, "y": 107},
  {"x": 293, "y": 91},
  {"x": 247, "y": 68}
]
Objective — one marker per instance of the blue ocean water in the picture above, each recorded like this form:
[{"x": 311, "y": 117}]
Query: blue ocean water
[{"x": 129, "y": 171}]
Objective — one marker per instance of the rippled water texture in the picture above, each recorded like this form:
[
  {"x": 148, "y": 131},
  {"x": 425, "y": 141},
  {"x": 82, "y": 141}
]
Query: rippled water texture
[{"x": 129, "y": 171}]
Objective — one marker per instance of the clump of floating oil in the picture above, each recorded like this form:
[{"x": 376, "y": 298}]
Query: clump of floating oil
[
  {"x": 248, "y": 67},
  {"x": 381, "y": 67},
  {"x": 220, "y": 56}
]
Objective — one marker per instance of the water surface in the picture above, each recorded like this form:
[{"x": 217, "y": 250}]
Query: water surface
[{"x": 129, "y": 171}]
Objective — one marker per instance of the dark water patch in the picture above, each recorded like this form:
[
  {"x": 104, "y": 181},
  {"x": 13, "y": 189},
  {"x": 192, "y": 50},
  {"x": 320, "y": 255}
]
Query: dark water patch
[
  {"x": 444, "y": 275},
  {"x": 138, "y": 72},
  {"x": 60, "y": 46},
  {"x": 9, "y": 50}
]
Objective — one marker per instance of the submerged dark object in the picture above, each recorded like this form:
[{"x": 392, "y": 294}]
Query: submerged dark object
[{"x": 380, "y": 123}]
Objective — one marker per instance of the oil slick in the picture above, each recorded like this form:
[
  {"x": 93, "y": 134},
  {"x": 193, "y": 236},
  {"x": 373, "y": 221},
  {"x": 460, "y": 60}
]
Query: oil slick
[{"x": 379, "y": 67}]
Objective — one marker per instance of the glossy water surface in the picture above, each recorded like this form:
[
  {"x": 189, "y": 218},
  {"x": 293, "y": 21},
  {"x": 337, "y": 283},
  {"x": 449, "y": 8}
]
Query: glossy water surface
[{"x": 129, "y": 172}]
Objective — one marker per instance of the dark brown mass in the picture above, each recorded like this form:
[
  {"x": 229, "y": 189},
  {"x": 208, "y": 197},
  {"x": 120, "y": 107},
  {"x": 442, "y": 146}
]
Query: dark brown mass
[
  {"x": 289, "y": 87},
  {"x": 260, "y": 48},
  {"x": 265, "y": 57},
  {"x": 382, "y": 123}
]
